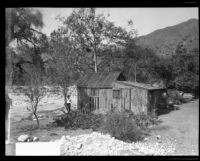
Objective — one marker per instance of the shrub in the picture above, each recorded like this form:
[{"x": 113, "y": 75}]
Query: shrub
[
  {"x": 122, "y": 127},
  {"x": 142, "y": 120},
  {"x": 78, "y": 119},
  {"x": 174, "y": 97}
]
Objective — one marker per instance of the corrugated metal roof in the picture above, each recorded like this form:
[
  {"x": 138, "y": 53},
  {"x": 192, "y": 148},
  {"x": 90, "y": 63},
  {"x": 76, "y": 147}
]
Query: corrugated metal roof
[
  {"x": 98, "y": 80},
  {"x": 139, "y": 85}
]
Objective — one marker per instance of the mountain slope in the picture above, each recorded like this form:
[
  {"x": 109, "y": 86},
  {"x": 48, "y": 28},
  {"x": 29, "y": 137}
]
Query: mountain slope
[{"x": 164, "y": 41}]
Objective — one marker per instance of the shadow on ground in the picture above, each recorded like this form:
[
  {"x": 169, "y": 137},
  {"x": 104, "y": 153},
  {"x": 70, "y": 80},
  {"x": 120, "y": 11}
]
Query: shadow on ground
[
  {"x": 161, "y": 128},
  {"x": 167, "y": 110}
]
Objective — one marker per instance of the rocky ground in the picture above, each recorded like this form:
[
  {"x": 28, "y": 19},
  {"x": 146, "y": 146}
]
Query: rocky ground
[{"x": 96, "y": 143}]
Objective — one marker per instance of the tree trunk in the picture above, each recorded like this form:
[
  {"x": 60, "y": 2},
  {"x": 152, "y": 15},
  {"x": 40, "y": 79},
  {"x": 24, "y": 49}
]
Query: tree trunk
[
  {"x": 135, "y": 71},
  {"x": 95, "y": 63},
  {"x": 9, "y": 68},
  {"x": 65, "y": 96},
  {"x": 38, "y": 123}
]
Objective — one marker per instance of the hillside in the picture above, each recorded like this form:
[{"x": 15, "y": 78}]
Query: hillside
[{"x": 164, "y": 41}]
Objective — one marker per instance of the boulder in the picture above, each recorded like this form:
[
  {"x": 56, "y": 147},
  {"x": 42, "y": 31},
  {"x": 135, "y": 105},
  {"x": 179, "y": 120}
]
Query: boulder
[
  {"x": 35, "y": 138},
  {"x": 158, "y": 136},
  {"x": 23, "y": 138},
  {"x": 30, "y": 139}
]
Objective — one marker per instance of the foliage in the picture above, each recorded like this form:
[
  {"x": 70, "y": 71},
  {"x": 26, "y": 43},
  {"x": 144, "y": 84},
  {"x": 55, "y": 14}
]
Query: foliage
[
  {"x": 78, "y": 119},
  {"x": 163, "y": 69},
  {"x": 35, "y": 92},
  {"x": 138, "y": 62},
  {"x": 122, "y": 127},
  {"x": 188, "y": 83},
  {"x": 92, "y": 32},
  {"x": 142, "y": 120},
  {"x": 22, "y": 26},
  {"x": 174, "y": 97},
  {"x": 186, "y": 70},
  {"x": 63, "y": 66}
]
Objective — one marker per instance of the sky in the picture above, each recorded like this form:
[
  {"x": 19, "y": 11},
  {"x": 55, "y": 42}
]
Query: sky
[{"x": 145, "y": 20}]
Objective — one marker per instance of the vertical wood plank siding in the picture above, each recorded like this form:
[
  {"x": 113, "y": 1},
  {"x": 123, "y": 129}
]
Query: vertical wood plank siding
[{"x": 131, "y": 98}]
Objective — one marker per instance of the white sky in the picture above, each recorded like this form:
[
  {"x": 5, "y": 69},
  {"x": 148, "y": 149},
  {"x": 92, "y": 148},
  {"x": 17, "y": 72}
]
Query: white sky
[{"x": 145, "y": 20}]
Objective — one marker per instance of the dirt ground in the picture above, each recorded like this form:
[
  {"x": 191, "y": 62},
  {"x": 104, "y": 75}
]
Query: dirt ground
[{"x": 183, "y": 126}]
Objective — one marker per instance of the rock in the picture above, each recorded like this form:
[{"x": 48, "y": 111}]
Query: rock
[
  {"x": 62, "y": 139},
  {"x": 99, "y": 144},
  {"x": 79, "y": 146},
  {"x": 30, "y": 139},
  {"x": 23, "y": 138},
  {"x": 158, "y": 136},
  {"x": 35, "y": 138}
]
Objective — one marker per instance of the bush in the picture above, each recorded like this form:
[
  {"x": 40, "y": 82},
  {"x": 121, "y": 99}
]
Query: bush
[
  {"x": 78, "y": 119},
  {"x": 122, "y": 127},
  {"x": 142, "y": 120},
  {"x": 174, "y": 97}
]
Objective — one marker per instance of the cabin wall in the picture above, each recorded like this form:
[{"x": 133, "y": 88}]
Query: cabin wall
[
  {"x": 134, "y": 99},
  {"x": 139, "y": 100},
  {"x": 104, "y": 99}
]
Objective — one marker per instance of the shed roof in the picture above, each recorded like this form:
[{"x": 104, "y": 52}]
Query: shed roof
[
  {"x": 139, "y": 85},
  {"x": 100, "y": 79}
]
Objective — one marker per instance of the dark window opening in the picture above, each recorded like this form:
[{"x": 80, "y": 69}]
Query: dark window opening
[{"x": 116, "y": 94}]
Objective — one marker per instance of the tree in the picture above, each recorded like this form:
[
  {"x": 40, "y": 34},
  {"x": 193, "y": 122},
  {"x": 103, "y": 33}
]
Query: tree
[
  {"x": 26, "y": 56},
  {"x": 92, "y": 32},
  {"x": 35, "y": 92},
  {"x": 186, "y": 69},
  {"x": 163, "y": 69},
  {"x": 21, "y": 25},
  {"x": 188, "y": 82},
  {"x": 138, "y": 62},
  {"x": 63, "y": 65}
]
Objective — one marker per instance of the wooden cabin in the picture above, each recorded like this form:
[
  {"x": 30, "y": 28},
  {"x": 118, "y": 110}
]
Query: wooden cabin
[
  {"x": 101, "y": 92},
  {"x": 137, "y": 97}
]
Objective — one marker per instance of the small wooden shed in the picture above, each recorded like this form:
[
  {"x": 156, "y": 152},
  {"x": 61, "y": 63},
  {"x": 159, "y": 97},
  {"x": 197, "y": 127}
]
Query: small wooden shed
[
  {"x": 137, "y": 97},
  {"x": 104, "y": 91}
]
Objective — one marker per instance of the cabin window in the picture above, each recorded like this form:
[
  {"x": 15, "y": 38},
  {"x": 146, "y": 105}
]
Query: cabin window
[
  {"x": 116, "y": 94},
  {"x": 94, "y": 92}
]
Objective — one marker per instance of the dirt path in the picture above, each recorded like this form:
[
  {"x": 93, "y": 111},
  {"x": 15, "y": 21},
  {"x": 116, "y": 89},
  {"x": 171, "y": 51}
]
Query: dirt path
[{"x": 183, "y": 127}]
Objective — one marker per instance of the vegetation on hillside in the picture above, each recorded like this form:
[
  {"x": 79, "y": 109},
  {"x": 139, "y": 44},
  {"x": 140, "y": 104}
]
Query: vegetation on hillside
[{"x": 164, "y": 41}]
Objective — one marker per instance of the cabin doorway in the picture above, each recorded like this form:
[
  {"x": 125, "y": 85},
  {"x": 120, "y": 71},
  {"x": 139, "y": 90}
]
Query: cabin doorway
[{"x": 94, "y": 100}]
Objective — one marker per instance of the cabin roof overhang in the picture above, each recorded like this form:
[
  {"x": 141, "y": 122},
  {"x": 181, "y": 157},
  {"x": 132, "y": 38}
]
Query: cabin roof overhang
[{"x": 128, "y": 84}]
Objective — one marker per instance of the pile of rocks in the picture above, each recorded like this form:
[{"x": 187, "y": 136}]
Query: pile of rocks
[
  {"x": 101, "y": 144},
  {"x": 27, "y": 138}
]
